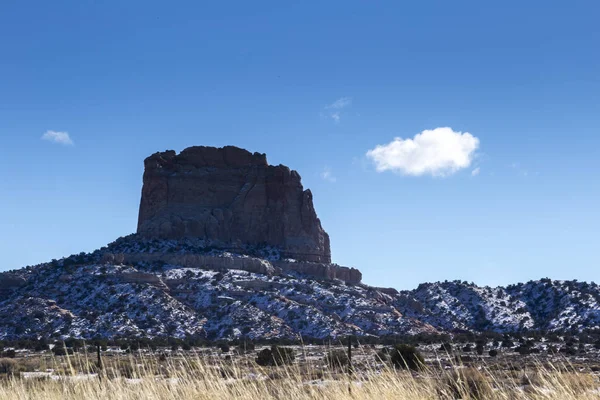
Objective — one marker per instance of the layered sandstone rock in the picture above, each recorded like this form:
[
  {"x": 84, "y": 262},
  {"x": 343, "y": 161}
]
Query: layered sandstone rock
[
  {"x": 142, "y": 278},
  {"x": 200, "y": 261},
  {"x": 321, "y": 270},
  {"x": 244, "y": 263},
  {"x": 232, "y": 198}
]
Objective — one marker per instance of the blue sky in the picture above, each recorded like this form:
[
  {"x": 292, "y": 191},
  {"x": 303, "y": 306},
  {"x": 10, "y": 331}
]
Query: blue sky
[{"x": 316, "y": 86}]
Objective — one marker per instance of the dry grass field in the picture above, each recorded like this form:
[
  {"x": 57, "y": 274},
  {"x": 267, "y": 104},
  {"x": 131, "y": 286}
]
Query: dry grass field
[{"x": 208, "y": 373}]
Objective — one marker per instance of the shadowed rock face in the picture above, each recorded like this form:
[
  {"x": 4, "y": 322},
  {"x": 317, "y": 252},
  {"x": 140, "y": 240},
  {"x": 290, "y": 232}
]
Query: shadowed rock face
[{"x": 233, "y": 198}]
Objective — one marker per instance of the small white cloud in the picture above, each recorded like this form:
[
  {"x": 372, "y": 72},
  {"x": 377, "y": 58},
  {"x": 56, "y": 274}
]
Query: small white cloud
[
  {"x": 340, "y": 103},
  {"x": 58, "y": 137},
  {"x": 436, "y": 152},
  {"x": 475, "y": 172},
  {"x": 335, "y": 108},
  {"x": 328, "y": 175}
]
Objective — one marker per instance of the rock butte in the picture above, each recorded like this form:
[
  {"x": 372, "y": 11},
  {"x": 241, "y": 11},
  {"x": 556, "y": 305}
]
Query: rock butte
[{"x": 232, "y": 198}]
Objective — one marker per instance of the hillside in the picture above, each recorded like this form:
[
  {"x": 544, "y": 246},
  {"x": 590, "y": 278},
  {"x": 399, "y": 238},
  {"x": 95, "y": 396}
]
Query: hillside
[
  {"x": 97, "y": 294},
  {"x": 539, "y": 305}
]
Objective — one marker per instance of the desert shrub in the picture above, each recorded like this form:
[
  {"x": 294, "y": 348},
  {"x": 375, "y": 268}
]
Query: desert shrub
[
  {"x": 493, "y": 353},
  {"x": 40, "y": 347},
  {"x": 467, "y": 383},
  {"x": 283, "y": 355},
  {"x": 224, "y": 348},
  {"x": 447, "y": 347},
  {"x": 383, "y": 355},
  {"x": 59, "y": 350},
  {"x": 479, "y": 348},
  {"x": 337, "y": 358},
  {"x": 570, "y": 351},
  {"x": 275, "y": 356},
  {"x": 75, "y": 344},
  {"x": 8, "y": 366},
  {"x": 462, "y": 358},
  {"x": 9, "y": 354},
  {"x": 407, "y": 356},
  {"x": 264, "y": 357},
  {"x": 245, "y": 347},
  {"x": 91, "y": 349}
]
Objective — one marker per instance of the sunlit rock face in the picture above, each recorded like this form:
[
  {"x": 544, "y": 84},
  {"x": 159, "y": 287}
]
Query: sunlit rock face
[{"x": 231, "y": 198}]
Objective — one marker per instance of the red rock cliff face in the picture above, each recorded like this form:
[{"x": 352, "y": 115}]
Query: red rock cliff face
[{"x": 233, "y": 198}]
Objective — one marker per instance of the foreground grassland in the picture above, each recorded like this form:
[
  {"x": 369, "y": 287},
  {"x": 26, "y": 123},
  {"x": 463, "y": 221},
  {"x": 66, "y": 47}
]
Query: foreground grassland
[{"x": 211, "y": 374}]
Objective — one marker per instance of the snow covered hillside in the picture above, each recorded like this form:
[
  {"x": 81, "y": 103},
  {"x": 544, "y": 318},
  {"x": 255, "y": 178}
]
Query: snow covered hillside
[{"x": 89, "y": 295}]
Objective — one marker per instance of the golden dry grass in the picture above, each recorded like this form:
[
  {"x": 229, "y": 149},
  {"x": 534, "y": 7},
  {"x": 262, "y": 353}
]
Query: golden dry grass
[{"x": 195, "y": 377}]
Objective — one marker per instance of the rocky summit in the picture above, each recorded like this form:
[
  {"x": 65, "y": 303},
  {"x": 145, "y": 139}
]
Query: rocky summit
[{"x": 233, "y": 199}]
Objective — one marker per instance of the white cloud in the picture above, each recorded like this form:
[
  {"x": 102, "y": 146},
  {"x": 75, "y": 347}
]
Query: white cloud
[
  {"x": 340, "y": 103},
  {"x": 327, "y": 175},
  {"x": 58, "y": 137},
  {"x": 335, "y": 108},
  {"x": 475, "y": 172},
  {"x": 436, "y": 152}
]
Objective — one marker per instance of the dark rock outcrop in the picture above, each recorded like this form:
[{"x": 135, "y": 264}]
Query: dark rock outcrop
[
  {"x": 244, "y": 263},
  {"x": 231, "y": 198},
  {"x": 202, "y": 261},
  {"x": 142, "y": 278},
  {"x": 10, "y": 282},
  {"x": 323, "y": 271}
]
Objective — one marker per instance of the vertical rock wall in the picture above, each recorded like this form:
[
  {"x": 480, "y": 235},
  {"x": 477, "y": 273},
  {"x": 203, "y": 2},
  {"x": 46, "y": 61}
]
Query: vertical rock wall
[{"x": 233, "y": 198}]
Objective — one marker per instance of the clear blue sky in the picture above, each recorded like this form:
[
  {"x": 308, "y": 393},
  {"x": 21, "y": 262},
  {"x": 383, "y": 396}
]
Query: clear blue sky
[{"x": 316, "y": 85}]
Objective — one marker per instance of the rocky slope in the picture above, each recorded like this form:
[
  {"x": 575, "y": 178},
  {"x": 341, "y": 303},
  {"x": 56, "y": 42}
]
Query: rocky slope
[
  {"x": 98, "y": 294},
  {"x": 535, "y": 305}
]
